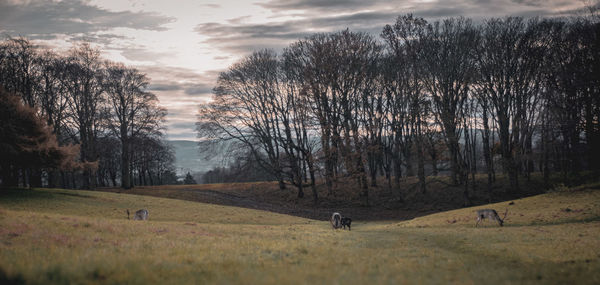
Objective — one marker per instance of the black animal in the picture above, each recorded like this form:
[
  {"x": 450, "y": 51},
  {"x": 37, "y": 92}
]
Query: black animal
[{"x": 346, "y": 222}]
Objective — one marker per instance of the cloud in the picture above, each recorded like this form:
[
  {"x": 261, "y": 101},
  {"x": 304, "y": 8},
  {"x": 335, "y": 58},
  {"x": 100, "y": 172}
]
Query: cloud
[
  {"x": 282, "y": 30},
  {"x": 425, "y": 8},
  {"x": 179, "y": 74},
  {"x": 72, "y": 17},
  {"x": 530, "y": 2},
  {"x": 330, "y": 5},
  {"x": 240, "y": 37},
  {"x": 504, "y": 7},
  {"x": 221, "y": 57},
  {"x": 164, "y": 87},
  {"x": 198, "y": 89},
  {"x": 181, "y": 91},
  {"x": 142, "y": 54},
  {"x": 181, "y": 120},
  {"x": 103, "y": 39},
  {"x": 192, "y": 89},
  {"x": 214, "y": 6}
]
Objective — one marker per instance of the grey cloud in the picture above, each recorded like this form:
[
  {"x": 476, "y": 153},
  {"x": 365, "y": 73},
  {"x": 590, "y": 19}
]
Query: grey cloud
[
  {"x": 214, "y": 6},
  {"x": 238, "y": 19},
  {"x": 186, "y": 125},
  {"x": 34, "y": 36},
  {"x": 275, "y": 30},
  {"x": 186, "y": 82},
  {"x": 181, "y": 130},
  {"x": 335, "y": 5},
  {"x": 181, "y": 121},
  {"x": 581, "y": 11},
  {"x": 243, "y": 38},
  {"x": 509, "y": 6},
  {"x": 440, "y": 12},
  {"x": 237, "y": 37},
  {"x": 198, "y": 89},
  {"x": 178, "y": 74},
  {"x": 142, "y": 54},
  {"x": 187, "y": 135},
  {"x": 104, "y": 39},
  {"x": 294, "y": 29},
  {"x": 182, "y": 108},
  {"x": 530, "y": 2},
  {"x": 164, "y": 87},
  {"x": 192, "y": 89},
  {"x": 72, "y": 17}
]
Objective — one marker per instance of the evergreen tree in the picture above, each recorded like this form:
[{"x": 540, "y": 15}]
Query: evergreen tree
[
  {"x": 28, "y": 145},
  {"x": 189, "y": 179}
]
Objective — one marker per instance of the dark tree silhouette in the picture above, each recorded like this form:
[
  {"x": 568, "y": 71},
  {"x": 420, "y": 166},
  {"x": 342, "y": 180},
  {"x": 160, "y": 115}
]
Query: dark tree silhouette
[
  {"x": 87, "y": 102},
  {"x": 189, "y": 179}
]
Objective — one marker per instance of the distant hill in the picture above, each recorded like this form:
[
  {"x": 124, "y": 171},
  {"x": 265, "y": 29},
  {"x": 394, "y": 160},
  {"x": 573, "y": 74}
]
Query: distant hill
[{"x": 188, "y": 158}]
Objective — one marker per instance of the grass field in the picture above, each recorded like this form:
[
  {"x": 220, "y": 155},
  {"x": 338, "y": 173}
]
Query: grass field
[{"x": 72, "y": 237}]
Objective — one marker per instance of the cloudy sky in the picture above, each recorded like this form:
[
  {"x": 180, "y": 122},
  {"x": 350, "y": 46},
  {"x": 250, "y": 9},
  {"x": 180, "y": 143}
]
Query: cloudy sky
[{"x": 183, "y": 44}]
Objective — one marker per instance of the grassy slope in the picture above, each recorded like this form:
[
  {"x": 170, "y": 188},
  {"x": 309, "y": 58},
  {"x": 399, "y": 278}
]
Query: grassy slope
[{"x": 60, "y": 236}]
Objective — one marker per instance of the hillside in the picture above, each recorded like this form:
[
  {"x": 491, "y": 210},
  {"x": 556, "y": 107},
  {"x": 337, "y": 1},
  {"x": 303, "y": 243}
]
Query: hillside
[{"x": 67, "y": 236}]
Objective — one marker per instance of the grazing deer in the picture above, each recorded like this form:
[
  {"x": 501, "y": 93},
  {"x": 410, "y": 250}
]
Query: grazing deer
[
  {"x": 336, "y": 220},
  {"x": 491, "y": 214},
  {"x": 141, "y": 215}
]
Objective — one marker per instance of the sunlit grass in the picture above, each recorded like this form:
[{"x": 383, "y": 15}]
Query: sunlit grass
[
  {"x": 65, "y": 236},
  {"x": 578, "y": 204}
]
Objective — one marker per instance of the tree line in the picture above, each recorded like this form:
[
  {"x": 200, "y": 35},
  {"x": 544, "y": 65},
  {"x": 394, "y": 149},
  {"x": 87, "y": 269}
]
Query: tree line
[
  {"x": 97, "y": 110},
  {"x": 511, "y": 94}
]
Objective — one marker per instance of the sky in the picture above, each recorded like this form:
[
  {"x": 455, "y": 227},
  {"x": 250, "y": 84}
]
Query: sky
[{"x": 182, "y": 45}]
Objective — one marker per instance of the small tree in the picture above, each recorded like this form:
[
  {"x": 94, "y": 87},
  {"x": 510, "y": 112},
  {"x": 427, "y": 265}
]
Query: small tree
[{"x": 189, "y": 179}]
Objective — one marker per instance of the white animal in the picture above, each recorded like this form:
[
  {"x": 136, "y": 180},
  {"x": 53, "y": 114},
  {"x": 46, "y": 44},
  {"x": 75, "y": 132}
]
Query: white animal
[
  {"x": 141, "y": 215},
  {"x": 336, "y": 220}
]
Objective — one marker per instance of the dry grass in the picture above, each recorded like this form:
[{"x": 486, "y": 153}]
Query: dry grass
[
  {"x": 64, "y": 236},
  {"x": 113, "y": 206},
  {"x": 577, "y": 205}
]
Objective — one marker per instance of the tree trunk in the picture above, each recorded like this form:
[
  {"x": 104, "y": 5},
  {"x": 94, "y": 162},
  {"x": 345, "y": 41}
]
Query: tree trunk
[
  {"x": 421, "y": 164},
  {"x": 313, "y": 185},
  {"x": 8, "y": 178},
  {"x": 487, "y": 154}
]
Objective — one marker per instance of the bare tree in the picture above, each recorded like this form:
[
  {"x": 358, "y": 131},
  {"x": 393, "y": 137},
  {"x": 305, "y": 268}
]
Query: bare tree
[
  {"x": 83, "y": 83},
  {"x": 449, "y": 70},
  {"x": 242, "y": 110},
  {"x": 405, "y": 41},
  {"x": 133, "y": 111},
  {"x": 17, "y": 72},
  {"x": 510, "y": 61},
  {"x": 338, "y": 73},
  {"x": 312, "y": 59}
]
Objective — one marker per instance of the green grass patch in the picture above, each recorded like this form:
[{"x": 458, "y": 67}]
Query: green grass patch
[{"x": 58, "y": 236}]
